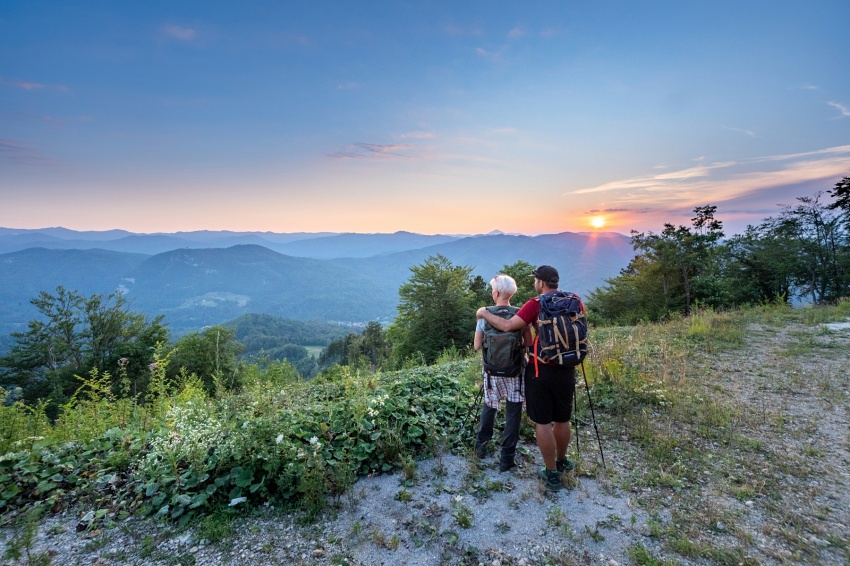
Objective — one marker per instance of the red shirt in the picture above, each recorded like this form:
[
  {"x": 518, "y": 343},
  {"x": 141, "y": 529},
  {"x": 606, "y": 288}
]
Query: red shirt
[{"x": 529, "y": 311}]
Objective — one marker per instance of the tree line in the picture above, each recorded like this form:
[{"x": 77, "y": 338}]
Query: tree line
[{"x": 803, "y": 253}]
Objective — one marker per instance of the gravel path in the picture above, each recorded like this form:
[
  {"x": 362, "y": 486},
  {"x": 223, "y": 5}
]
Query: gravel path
[{"x": 389, "y": 520}]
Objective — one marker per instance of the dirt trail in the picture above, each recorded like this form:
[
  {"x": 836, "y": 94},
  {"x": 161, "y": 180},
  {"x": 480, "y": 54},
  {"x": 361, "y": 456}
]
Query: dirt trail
[{"x": 791, "y": 386}]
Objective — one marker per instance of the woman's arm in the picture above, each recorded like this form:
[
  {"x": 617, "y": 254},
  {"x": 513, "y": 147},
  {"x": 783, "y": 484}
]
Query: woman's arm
[{"x": 478, "y": 340}]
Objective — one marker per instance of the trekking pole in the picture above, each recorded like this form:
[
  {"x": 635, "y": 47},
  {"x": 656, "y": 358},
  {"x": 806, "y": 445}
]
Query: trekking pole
[
  {"x": 575, "y": 417},
  {"x": 592, "y": 414},
  {"x": 475, "y": 403}
]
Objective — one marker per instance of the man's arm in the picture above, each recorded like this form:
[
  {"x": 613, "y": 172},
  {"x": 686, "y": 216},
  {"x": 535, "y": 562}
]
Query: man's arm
[{"x": 503, "y": 324}]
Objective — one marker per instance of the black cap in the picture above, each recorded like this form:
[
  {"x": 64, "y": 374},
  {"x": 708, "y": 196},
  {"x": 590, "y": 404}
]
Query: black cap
[{"x": 547, "y": 274}]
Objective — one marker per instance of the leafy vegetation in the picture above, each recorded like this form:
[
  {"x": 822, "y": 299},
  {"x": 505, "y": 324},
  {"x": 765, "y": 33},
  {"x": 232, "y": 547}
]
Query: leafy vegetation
[
  {"x": 74, "y": 335},
  {"x": 436, "y": 311},
  {"x": 803, "y": 253},
  {"x": 185, "y": 452}
]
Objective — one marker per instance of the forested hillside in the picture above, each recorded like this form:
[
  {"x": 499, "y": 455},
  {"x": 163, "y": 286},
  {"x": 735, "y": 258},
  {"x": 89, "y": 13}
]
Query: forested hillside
[{"x": 203, "y": 286}]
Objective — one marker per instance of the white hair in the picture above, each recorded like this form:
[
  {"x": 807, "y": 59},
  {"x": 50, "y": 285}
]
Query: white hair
[{"x": 503, "y": 284}]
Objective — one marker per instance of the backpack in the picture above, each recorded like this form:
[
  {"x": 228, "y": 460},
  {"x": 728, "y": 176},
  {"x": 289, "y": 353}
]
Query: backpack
[
  {"x": 561, "y": 329},
  {"x": 502, "y": 350}
]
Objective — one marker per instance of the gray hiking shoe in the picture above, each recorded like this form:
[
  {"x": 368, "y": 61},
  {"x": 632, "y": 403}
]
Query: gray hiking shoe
[
  {"x": 551, "y": 478},
  {"x": 565, "y": 465}
]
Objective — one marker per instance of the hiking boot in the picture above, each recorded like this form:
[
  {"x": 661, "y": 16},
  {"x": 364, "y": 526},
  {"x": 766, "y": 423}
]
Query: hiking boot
[
  {"x": 482, "y": 451},
  {"x": 565, "y": 465},
  {"x": 505, "y": 465},
  {"x": 550, "y": 478}
]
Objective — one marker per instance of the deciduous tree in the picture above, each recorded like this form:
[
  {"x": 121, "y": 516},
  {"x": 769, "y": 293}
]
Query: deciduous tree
[
  {"x": 74, "y": 335},
  {"x": 436, "y": 310}
]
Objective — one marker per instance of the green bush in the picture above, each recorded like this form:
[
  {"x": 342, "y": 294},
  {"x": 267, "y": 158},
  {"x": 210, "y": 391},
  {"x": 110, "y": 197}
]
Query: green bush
[{"x": 280, "y": 441}]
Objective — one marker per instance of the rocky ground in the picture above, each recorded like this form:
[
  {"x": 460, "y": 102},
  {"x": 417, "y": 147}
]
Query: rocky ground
[{"x": 775, "y": 493}]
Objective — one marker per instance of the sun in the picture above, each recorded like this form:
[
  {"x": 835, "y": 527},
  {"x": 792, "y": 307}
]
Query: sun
[{"x": 598, "y": 221}]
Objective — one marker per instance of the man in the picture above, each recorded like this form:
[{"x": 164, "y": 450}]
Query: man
[
  {"x": 549, "y": 388},
  {"x": 496, "y": 387}
]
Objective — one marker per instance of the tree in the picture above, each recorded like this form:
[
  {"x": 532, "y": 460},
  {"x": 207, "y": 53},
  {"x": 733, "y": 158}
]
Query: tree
[
  {"x": 480, "y": 291},
  {"x": 822, "y": 267},
  {"x": 74, "y": 335},
  {"x": 371, "y": 349},
  {"x": 521, "y": 271},
  {"x": 212, "y": 355},
  {"x": 760, "y": 263},
  {"x": 841, "y": 194},
  {"x": 684, "y": 256},
  {"x": 630, "y": 297},
  {"x": 374, "y": 345},
  {"x": 436, "y": 310}
]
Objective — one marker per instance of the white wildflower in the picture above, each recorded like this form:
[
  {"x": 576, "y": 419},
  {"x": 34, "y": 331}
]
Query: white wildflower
[{"x": 279, "y": 439}]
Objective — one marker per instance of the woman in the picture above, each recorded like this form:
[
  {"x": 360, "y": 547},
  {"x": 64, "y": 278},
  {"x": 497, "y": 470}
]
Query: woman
[{"x": 506, "y": 384}]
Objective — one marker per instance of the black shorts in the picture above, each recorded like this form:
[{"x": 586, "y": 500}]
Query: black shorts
[{"x": 549, "y": 397}]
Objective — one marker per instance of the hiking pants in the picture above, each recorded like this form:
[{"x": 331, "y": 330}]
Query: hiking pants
[{"x": 510, "y": 435}]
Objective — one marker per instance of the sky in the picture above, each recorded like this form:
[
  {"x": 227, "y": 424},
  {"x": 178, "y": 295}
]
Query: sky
[{"x": 431, "y": 117}]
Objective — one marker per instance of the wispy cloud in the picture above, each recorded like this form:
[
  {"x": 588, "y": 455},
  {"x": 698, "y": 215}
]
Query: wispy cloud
[
  {"x": 753, "y": 181},
  {"x": 179, "y": 32},
  {"x": 844, "y": 111},
  {"x": 746, "y": 132},
  {"x": 493, "y": 56},
  {"x": 608, "y": 210},
  {"x": 31, "y": 85},
  {"x": 517, "y": 33},
  {"x": 374, "y": 151},
  {"x": 28, "y": 85},
  {"x": 417, "y": 135},
  {"x": 798, "y": 167},
  {"x": 653, "y": 182},
  {"x": 11, "y": 150},
  {"x": 54, "y": 122}
]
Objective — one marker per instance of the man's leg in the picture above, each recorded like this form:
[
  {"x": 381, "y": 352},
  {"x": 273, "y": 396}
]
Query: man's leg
[
  {"x": 563, "y": 411},
  {"x": 545, "y": 435},
  {"x": 562, "y": 433}
]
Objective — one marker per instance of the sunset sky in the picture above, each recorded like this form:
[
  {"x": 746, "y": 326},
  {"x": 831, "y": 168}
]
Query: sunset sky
[{"x": 433, "y": 117}]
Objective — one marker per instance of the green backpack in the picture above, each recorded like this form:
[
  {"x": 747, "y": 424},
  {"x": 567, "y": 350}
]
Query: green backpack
[{"x": 502, "y": 350}]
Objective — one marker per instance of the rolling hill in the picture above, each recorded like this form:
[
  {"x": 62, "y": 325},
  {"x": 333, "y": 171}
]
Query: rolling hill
[{"x": 203, "y": 285}]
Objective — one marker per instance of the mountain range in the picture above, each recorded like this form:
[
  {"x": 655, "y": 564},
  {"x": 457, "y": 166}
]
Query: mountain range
[{"x": 202, "y": 278}]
